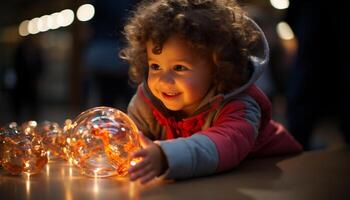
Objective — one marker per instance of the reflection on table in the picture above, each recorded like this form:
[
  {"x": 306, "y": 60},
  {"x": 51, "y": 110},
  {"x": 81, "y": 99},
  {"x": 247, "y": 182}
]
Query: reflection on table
[{"x": 311, "y": 175}]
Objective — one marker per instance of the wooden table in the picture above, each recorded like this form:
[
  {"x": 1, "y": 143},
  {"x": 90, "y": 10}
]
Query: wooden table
[{"x": 312, "y": 175}]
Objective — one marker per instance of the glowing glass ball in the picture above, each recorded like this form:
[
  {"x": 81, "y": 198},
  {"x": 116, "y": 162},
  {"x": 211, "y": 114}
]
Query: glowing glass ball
[
  {"x": 54, "y": 139},
  {"x": 22, "y": 149},
  {"x": 100, "y": 141}
]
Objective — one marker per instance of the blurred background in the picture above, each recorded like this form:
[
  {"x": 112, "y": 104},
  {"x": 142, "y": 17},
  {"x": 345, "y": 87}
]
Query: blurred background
[{"x": 60, "y": 57}]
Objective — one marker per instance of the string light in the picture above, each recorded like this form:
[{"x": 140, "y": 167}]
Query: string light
[{"x": 55, "y": 20}]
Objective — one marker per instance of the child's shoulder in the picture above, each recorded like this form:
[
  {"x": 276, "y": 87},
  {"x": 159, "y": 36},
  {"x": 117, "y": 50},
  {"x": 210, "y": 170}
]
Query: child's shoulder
[
  {"x": 251, "y": 93},
  {"x": 250, "y": 100}
]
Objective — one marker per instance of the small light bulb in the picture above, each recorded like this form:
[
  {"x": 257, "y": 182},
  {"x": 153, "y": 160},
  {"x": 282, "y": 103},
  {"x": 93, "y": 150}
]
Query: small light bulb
[{"x": 132, "y": 163}]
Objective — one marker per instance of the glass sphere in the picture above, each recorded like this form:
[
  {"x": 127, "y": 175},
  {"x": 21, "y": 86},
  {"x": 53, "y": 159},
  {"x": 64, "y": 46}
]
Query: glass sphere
[
  {"x": 22, "y": 149},
  {"x": 100, "y": 141},
  {"x": 53, "y": 139}
]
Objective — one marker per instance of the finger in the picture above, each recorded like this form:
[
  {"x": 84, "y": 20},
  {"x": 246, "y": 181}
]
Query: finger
[
  {"x": 144, "y": 141},
  {"x": 139, "y": 165},
  {"x": 139, "y": 153},
  {"x": 140, "y": 173},
  {"x": 151, "y": 175}
]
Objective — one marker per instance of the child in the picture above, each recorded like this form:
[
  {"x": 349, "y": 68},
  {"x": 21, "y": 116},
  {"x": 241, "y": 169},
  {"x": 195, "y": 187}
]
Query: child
[{"x": 196, "y": 63}]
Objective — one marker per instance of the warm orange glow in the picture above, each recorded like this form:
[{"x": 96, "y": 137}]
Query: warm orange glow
[
  {"x": 48, "y": 156},
  {"x": 70, "y": 172},
  {"x": 70, "y": 160},
  {"x": 96, "y": 172},
  {"x": 134, "y": 193},
  {"x": 28, "y": 184},
  {"x": 96, "y": 188},
  {"x": 132, "y": 163},
  {"x": 26, "y": 164},
  {"x": 63, "y": 172},
  {"x": 123, "y": 164},
  {"x": 48, "y": 170},
  {"x": 101, "y": 141}
]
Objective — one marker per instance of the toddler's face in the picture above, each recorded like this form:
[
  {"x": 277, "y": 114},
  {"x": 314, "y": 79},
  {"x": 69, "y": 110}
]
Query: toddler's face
[{"x": 180, "y": 77}]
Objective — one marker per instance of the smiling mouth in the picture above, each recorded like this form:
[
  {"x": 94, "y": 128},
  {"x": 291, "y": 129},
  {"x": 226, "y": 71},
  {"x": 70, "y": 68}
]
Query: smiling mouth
[{"x": 170, "y": 94}]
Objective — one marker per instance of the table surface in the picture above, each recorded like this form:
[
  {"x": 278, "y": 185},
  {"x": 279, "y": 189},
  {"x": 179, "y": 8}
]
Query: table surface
[{"x": 311, "y": 175}]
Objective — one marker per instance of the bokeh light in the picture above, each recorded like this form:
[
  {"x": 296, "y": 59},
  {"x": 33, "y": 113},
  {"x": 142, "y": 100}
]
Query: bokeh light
[
  {"x": 46, "y": 22},
  {"x": 33, "y": 26},
  {"x": 68, "y": 17},
  {"x": 85, "y": 12},
  {"x": 280, "y": 4},
  {"x": 284, "y": 31},
  {"x": 23, "y": 28}
]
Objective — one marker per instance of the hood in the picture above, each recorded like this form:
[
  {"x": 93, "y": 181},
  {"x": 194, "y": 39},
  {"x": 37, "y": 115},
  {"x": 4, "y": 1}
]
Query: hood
[{"x": 259, "y": 59}]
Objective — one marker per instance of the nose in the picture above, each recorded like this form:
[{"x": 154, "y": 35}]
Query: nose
[{"x": 167, "y": 77}]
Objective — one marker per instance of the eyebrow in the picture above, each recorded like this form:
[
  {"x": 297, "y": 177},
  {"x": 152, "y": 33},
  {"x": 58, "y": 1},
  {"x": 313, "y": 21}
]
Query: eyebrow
[{"x": 178, "y": 60}]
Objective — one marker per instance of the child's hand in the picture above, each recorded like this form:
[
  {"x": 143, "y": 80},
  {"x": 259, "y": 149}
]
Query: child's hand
[{"x": 153, "y": 161}]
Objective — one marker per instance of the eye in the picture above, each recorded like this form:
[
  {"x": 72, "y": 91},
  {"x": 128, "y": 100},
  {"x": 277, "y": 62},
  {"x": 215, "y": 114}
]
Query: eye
[
  {"x": 154, "y": 67},
  {"x": 180, "y": 68}
]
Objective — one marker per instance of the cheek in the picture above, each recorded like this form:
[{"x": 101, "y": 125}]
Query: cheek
[
  {"x": 151, "y": 82},
  {"x": 196, "y": 88},
  {"x": 201, "y": 81}
]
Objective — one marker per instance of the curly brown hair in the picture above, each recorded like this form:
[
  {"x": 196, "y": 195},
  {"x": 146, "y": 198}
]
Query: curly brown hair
[{"x": 217, "y": 26}]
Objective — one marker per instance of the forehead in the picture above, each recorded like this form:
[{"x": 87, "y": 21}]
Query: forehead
[{"x": 175, "y": 48}]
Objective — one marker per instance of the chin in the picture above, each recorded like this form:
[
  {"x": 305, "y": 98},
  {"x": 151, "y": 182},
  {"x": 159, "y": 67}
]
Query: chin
[{"x": 173, "y": 107}]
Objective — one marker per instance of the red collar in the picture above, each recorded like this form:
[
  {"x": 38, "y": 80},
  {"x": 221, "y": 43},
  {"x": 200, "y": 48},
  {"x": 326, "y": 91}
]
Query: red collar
[{"x": 183, "y": 128}]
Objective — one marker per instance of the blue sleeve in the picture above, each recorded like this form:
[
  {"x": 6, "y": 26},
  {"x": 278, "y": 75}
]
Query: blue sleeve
[{"x": 190, "y": 157}]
